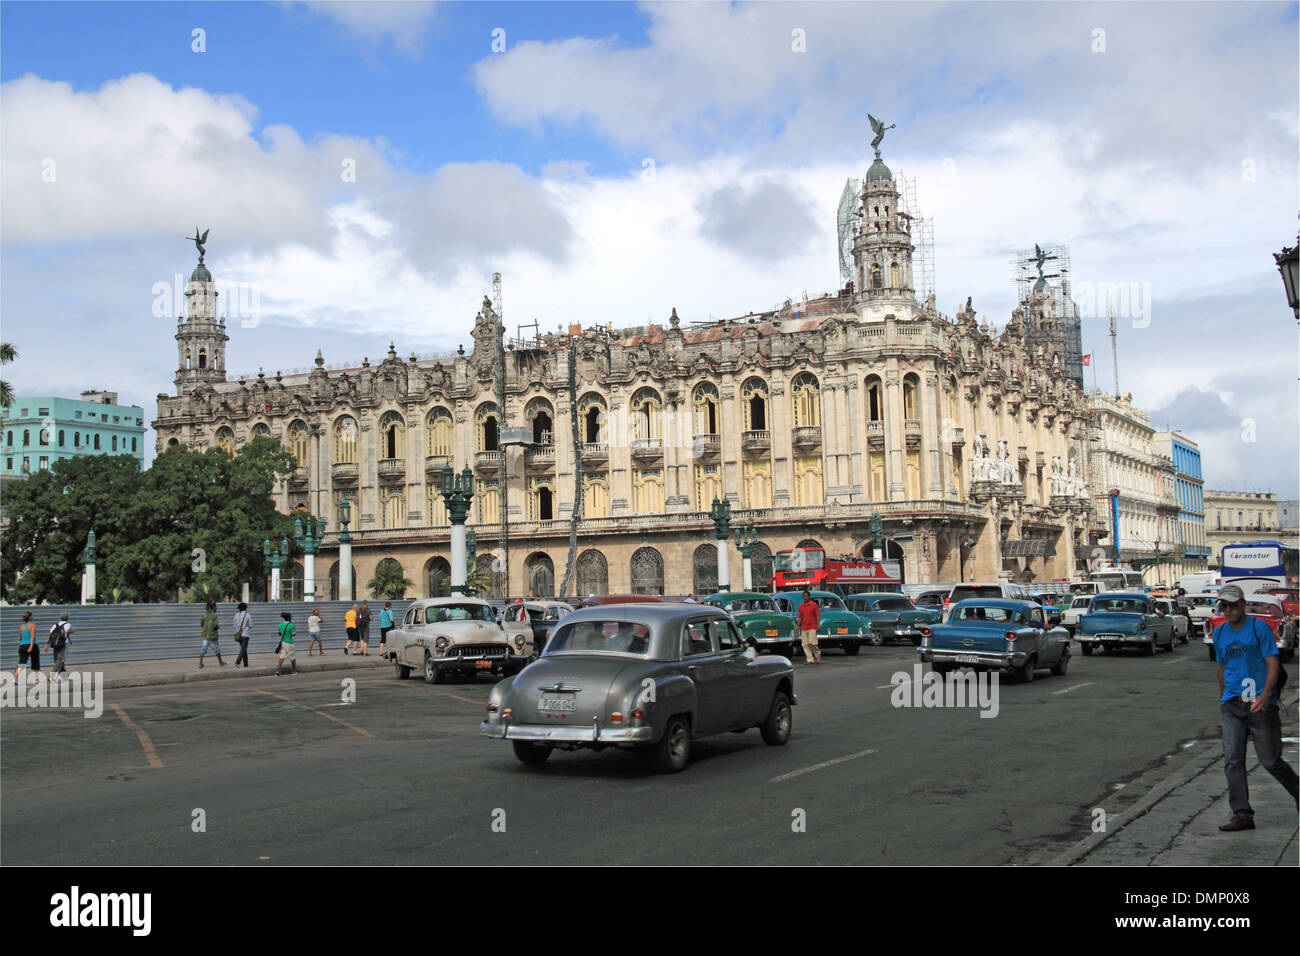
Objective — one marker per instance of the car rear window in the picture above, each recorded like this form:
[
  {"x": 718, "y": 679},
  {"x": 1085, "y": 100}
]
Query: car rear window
[
  {"x": 894, "y": 604},
  {"x": 963, "y": 593},
  {"x": 1119, "y": 605},
  {"x": 982, "y": 614},
  {"x": 1259, "y": 607},
  {"x": 600, "y": 637}
]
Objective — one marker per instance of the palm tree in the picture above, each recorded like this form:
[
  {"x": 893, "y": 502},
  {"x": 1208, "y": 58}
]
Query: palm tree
[
  {"x": 389, "y": 583},
  {"x": 476, "y": 580},
  {"x": 7, "y": 354}
]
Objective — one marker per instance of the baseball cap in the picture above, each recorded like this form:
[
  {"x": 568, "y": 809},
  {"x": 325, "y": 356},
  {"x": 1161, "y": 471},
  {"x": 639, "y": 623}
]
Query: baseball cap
[{"x": 1230, "y": 594}]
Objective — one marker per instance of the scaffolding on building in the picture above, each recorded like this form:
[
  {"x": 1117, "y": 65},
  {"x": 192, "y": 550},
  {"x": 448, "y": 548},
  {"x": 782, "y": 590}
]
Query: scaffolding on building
[
  {"x": 922, "y": 231},
  {"x": 846, "y": 225},
  {"x": 1046, "y": 269}
]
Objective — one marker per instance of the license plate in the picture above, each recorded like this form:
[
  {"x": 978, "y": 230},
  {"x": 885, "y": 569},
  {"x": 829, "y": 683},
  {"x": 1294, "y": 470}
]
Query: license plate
[
  {"x": 841, "y": 630},
  {"x": 967, "y": 659},
  {"x": 483, "y": 665},
  {"x": 558, "y": 705},
  {"x": 770, "y": 632},
  {"x": 906, "y": 633}
]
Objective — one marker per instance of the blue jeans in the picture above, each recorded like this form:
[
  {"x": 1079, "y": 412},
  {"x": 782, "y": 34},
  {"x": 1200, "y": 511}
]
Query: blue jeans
[{"x": 1266, "y": 728}]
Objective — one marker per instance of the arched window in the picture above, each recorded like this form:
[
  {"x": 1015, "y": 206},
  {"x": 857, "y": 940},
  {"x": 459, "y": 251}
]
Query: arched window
[
  {"x": 648, "y": 491},
  {"x": 876, "y": 281},
  {"x": 45, "y": 436},
  {"x": 875, "y": 399},
  {"x": 707, "y": 408},
  {"x": 910, "y": 386},
  {"x": 595, "y": 496},
  {"x": 893, "y": 276},
  {"x": 708, "y": 486},
  {"x": 298, "y": 443},
  {"x": 171, "y": 442},
  {"x": 487, "y": 434},
  {"x": 345, "y": 440},
  {"x": 437, "y": 509},
  {"x": 754, "y": 395},
  {"x": 810, "y": 544},
  {"x": 60, "y": 437},
  {"x": 231, "y": 434},
  {"x": 646, "y": 406},
  {"x": 489, "y": 502},
  {"x": 391, "y": 578},
  {"x": 647, "y": 566},
  {"x": 541, "y": 575},
  {"x": 441, "y": 432},
  {"x": 114, "y": 444},
  {"x": 539, "y": 415},
  {"x": 132, "y": 444},
  {"x": 704, "y": 567},
  {"x": 593, "y": 573},
  {"x": 203, "y": 358},
  {"x": 758, "y": 484},
  {"x": 806, "y": 394},
  {"x": 438, "y": 577},
  {"x": 27, "y": 437},
  {"x": 188, "y": 359},
  {"x": 392, "y": 436},
  {"x": 9, "y": 438},
  {"x": 952, "y": 402},
  {"x": 808, "y": 481},
  {"x": 225, "y": 439},
  {"x": 592, "y": 411},
  {"x": 261, "y": 430},
  {"x": 334, "y": 582},
  {"x": 394, "y": 510},
  {"x": 76, "y": 440},
  {"x": 760, "y": 567},
  {"x": 494, "y": 582},
  {"x": 541, "y": 499}
]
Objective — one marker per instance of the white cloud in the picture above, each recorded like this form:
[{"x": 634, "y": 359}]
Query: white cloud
[{"x": 403, "y": 22}]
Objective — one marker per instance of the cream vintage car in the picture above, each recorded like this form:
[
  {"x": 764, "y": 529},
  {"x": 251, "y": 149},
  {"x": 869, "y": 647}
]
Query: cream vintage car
[{"x": 452, "y": 635}]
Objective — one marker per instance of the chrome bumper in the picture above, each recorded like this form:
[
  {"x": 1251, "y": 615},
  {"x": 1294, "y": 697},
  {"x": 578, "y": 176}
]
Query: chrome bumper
[
  {"x": 1107, "y": 638},
  {"x": 982, "y": 658},
  {"x": 578, "y": 733}
]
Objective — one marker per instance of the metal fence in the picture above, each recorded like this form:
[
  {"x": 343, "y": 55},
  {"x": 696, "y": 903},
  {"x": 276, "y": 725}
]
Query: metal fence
[{"x": 112, "y": 633}]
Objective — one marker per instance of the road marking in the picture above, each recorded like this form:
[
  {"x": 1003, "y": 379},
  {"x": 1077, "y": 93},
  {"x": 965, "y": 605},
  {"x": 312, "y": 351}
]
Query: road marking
[
  {"x": 1174, "y": 660},
  {"x": 145, "y": 742},
  {"x": 911, "y": 680},
  {"x": 1075, "y": 687},
  {"x": 820, "y": 766},
  {"x": 314, "y": 710},
  {"x": 476, "y": 703}
]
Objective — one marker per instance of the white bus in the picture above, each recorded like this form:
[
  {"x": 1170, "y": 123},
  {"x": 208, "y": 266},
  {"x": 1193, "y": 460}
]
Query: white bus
[
  {"x": 1202, "y": 582},
  {"x": 1118, "y": 579},
  {"x": 1252, "y": 566}
]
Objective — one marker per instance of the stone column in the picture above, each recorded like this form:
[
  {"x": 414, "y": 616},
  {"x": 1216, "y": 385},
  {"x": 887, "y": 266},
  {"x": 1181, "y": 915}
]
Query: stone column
[
  {"x": 459, "y": 558},
  {"x": 895, "y": 435}
]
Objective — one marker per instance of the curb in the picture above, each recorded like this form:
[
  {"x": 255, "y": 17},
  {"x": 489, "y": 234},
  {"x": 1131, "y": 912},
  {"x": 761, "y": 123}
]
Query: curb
[{"x": 234, "y": 674}]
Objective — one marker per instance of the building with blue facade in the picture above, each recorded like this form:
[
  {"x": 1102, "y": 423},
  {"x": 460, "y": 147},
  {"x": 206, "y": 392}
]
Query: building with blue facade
[
  {"x": 39, "y": 431},
  {"x": 1189, "y": 485}
]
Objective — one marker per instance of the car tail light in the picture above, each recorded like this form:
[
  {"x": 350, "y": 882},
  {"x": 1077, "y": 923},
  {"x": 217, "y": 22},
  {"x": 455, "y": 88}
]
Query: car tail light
[
  {"x": 507, "y": 712},
  {"x": 492, "y": 708},
  {"x": 1011, "y": 635},
  {"x": 638, "y": 715},
  {"x": 615, "y": 718},
  {"x": 926, "y": 632}
]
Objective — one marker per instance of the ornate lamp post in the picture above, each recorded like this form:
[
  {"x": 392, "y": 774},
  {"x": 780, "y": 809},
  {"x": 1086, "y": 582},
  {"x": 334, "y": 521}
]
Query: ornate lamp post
[
  {"x": 877, "y": 526},
  {"x": 88, "y": 583},
  {"x": 345, "y": 551},
  {"x": 746, "y": 539},
  {"x": 1288, "y": 263},
  {"x": 457, "y": 493},
  {"x": 721, "y": 515},
  {"x": 277, "y": 559},
  {"x": 309, "y": 544}
]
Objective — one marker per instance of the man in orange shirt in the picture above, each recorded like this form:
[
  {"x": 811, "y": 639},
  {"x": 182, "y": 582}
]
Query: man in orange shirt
[
  {"x": 809, "y": 617},
  {"x": 350, "y": 625}
]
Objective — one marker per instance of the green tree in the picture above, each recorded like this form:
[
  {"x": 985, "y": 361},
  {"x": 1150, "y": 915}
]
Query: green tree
[
  {"x": 7, "y": 354},
  {"x": 389, "y": 583},
  {"x": 50, "y": 514},
  {"x": 476, "y": 578}
]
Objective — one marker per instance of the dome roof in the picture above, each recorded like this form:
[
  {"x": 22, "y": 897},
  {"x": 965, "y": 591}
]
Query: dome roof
[
  {"x": 879, "y": 170},
  {"x": 1040, "y": 285},
  {"x": 200, "y": 274}
]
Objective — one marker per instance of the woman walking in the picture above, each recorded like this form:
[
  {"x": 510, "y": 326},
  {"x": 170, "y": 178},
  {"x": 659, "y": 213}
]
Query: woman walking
[
  {"x": 243, "y": 633},
  {"x": 209, "y": 628},
  {"x": 27, "y": 646},
  {"x": 286, "y": 643},
  {"x": 313, "y": 631}
]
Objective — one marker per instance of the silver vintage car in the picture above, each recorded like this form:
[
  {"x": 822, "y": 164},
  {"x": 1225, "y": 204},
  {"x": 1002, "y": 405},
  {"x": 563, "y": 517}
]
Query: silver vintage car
[
  {"x": 642, "y": 676},
  {"x": 452, "y": 635}
]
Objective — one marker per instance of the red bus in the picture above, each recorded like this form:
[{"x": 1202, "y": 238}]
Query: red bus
[{"x": 799, "y": 568}]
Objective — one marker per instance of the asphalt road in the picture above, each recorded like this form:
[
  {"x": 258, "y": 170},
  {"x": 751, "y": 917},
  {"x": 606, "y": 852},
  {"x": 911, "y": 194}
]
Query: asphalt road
[{"x": 285, "y": 773}]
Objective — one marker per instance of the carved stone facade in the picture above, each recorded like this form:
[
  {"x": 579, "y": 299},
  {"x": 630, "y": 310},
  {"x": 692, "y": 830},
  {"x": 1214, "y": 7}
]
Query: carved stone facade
[{"x": 808, "y": 419}]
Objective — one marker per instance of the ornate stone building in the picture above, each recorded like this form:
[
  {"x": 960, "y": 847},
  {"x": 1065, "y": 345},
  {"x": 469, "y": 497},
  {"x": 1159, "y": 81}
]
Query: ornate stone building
[{"x": 809, "y": 419}]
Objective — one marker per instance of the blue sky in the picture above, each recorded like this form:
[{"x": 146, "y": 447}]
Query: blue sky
[{"x": 615, "y": 161}]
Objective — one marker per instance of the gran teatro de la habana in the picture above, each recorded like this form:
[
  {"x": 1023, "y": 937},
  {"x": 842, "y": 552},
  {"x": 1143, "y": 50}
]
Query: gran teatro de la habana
[{"x": 808, "y": 420}]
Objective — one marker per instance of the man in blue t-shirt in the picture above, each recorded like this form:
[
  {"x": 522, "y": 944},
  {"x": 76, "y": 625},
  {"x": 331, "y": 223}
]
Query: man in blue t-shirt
[{"x": 1248, "y": 702}]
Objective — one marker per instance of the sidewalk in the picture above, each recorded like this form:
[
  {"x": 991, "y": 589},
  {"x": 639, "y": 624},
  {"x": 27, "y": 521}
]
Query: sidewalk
[
  {"x": 186, "y": 670},
  {"x": 1177, "y": 822}
]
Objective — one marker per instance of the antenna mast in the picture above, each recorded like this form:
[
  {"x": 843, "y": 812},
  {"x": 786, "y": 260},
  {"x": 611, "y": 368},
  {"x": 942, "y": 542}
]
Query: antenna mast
[{"x": 1114, "y": 350}]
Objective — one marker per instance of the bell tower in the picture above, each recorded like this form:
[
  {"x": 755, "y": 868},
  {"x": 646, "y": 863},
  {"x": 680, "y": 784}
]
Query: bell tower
[
  {"x": 882, "y": 249},
  {"x": 200, "y": 334}
]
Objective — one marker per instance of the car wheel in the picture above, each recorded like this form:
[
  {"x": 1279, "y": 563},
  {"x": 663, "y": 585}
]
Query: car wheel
[
  {"x": 1149, "y": 649},
  {"x": 877, "y": 639},
  {"x": 531, "y": 753},
  {"x": 673, "y": 751},
  {"x": 1087, "y": 650},
  {"x": 1172, "y": 642},
  {"x": 1024, "y": 674},
  {"x": 852, "y": 649},
  {"x": 432, "y": 674},
  {"x": 400, "y": 669},
  {"x": 776, "y": 729},
  {"x": 1063, "y": 664}
]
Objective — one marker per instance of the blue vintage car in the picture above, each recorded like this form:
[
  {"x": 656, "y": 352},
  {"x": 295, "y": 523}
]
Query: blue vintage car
[
  {"x": 1115, "y": 620},
  {"x": 891, "y": 616},
  {"x": 996, "y": 634}
]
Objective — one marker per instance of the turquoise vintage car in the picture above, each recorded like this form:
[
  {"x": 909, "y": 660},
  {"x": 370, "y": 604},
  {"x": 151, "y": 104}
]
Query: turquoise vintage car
[
  {"x": 1125, "y": 619},
  {"x": 996, "y": 634},
  {"x": 759, "y": 617},
  {"x": 892, "y": 617},
  {"x": 837, "y": 626}
]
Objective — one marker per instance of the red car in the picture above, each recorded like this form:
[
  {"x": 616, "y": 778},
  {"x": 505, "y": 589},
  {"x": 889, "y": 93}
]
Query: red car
[
  {"x": 1290, "y": 600},
  {"x": 1268, "y": 608}
]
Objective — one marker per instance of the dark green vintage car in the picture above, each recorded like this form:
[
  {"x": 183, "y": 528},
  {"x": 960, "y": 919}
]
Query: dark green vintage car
[
  {"x": 892, "y": 617},
  {"x": 837, "y": 626},
  {"x": 759, "y": 617}
]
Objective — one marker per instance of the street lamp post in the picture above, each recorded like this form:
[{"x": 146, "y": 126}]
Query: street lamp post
[
  {"x": 309, "y": 544},
  {"x": 1288, "y": 265},
  {"x": 746, "y": 539},
  {"x": 877, "y": 526},
  {"x": 345, "y": 552},
  {"x": 457, "y": 493},
  {"x": 277, "y": 559},
  {"x": 721, "y": 515},
  {"x": 88, "y": 585}
]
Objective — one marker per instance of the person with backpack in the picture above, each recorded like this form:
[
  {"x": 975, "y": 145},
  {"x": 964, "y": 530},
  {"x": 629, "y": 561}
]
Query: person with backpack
[
  {"x": 60, "y": 636},
  {"x": 385, "y": 625},
  {"x": 208, "y": 628},
  {"x": 1250, "y": 679},
  {"x": 363, "y": 628},
  {"x": 285, "y": 648},
  {"x": 28, "y": 649},
  {"x": 243, "y": 633}
]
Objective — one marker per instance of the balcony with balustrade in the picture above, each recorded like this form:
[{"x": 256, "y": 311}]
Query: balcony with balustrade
[
  {"x": 392, "y": 471},
  {"x": 648, "y": 449},
  {"x": 756, "y": 442},
  {"x": 807, "y": 438},
  {"x": 344, "y": 472},
  {"x": 433, "y": 464},
  {"x": 707, "y": 447},
  {"x": 539, "y": 458},
  {"x": 594, "y": 452},
  {"x": 489, "y": 462}
]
